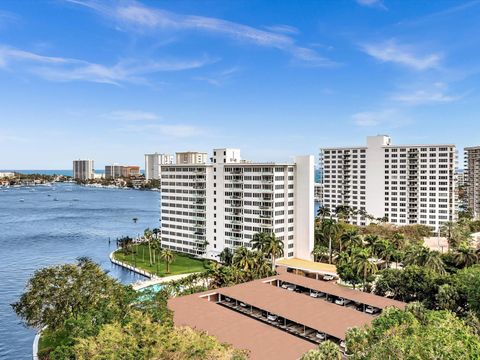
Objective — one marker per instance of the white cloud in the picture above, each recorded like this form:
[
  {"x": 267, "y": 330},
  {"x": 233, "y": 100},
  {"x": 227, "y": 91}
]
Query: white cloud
[
  {"x": 135, "y": 15},
  {"x": 68, "y": 69},
  {"x": 390, "y": 51},
  {"x": 372, "y": 3},
  {"x": 132, "y": 115},
  {"x": 387, "y": 117},
  {"x": 169, "y": 130},
  {"x": 219, "y": 78},
  {"x": 436, "y": 93},
  {"x": 285, "y": 29}
]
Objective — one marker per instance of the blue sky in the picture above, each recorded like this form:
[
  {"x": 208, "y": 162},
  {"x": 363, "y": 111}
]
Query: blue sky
[{"x": 113, "y": 80}]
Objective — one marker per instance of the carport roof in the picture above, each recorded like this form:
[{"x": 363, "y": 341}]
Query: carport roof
[
  {"x": 317, "y": 314},
  {"x": 341, "y": 291}
]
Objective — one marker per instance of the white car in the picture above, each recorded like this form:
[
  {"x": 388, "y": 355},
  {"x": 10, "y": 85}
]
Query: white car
[
  {"x": 328, "y": 277},
  {"x": 320, "y": 336},
  {"x": 371, "y": 310},
  {"x": 272, "y": 317},
  {"x": 284, "y": 286},
  {"x": 291, "y": 287},
  {"x": 343, "y": 345},
  {"x": 316, "y": 294},
  {"x": 228, "y": 299},
  {"x": 342, "y": 302},
  {"x": 243, "y": 304}
]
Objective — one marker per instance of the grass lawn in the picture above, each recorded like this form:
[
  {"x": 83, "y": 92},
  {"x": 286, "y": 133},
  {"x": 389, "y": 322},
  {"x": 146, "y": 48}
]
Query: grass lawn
[{"x": 182, "y": 263}]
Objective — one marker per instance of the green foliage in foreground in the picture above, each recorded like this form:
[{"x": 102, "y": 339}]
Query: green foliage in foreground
[
  {"x": 414, "y": 334},
  {"x": 92, "y": 316},
  {"x": 142, "y": 338},
  {"x": 325, "y": 351},
  {"x": 138, "y": 256}
]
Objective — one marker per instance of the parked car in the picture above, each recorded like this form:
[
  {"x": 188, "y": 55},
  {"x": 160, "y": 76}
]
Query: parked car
[
  {"x": 284, "y": 285},
  {"x": 343, "y": 346},
  {"x": 228, "y": 299},
  {"x": 243, "y": 304},
  {"x": 328, "y": 277},
  {"x": 291, "y": 287},
  {"x": 272, "y": 317},
  {"x": 320, "y": 336},
  {"x": 316, "y": 294},
  {"x": 342, "y": 301},
  {"x": 372, "y": 310}
]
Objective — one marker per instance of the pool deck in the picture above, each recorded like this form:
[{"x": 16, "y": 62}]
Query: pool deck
[{"x": 145, "y": 283}]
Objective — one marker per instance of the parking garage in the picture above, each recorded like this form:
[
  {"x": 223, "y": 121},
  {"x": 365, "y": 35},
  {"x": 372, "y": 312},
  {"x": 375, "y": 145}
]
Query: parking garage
[{"x": 336, "y": 294}]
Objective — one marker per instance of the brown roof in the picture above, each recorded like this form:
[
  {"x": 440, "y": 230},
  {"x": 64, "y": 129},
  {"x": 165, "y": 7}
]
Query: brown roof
[
  {"x": 263, "y": 341},
  {"x": 314, "y": 313},
  {"x": 340, "y": 291}
]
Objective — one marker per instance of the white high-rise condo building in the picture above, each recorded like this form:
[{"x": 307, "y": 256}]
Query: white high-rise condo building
[
  {"x": 404, "y": 184},
  {"x": 83, "y": 169},
  {"x": 207, "y": 207},
  {"x": 472, "y": 179},
  {"x": 153, "y": 163}
]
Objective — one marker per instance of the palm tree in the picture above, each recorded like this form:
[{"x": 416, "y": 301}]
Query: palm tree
[
  {"x": 330, "y": 230},
  {"x": 385, "y": 250},
  {"x": 465, "y": 256},
  {"x": 447, "y": 230},
  {"x": 370, "y": 240},
  {"x": 435, "y": 262},
  {"x": 243, "y": 259},
  {"x": 168, "y": 256},
  {"x": 398, "y": 240},
  {"x": 342, "y": 212},
  {"x": 323, "y": 212},
  {"x": 350, "y": 239},
  {"x": 226, "y": 256},
  {"x": 259, "y": 241},
  {"x": 319, "y": 253},
  {"x": 262, "y": 267},
  {"x": 273, "y": 248},
  {"x": 363, "y": 265}
]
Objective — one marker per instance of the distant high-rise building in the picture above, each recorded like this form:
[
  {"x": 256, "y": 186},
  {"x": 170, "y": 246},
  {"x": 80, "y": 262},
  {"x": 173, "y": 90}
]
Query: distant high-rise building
[
  {"x": 130, "y": 170},
  {"x": 406, "y": 184},
  {"x": 207, "y": 207},
  {"x": 83, "y": 169},
  {"x": 113, "y": 171},
  {"x": 153, "y": 163},
  {"x": 472, "y": 179},
  {"x": 191, "y": 157}
]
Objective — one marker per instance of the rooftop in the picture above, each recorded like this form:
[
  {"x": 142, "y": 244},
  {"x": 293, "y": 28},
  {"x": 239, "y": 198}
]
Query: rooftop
[
  {"x": 306, "y": 265},
  {"x": 317, "y": 314},
  {"x": 340, "y": 291},
  {"x": 261, "y": 340}
]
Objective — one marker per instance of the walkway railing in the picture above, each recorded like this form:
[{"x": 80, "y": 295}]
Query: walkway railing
[{"x": 132, "y": 268}]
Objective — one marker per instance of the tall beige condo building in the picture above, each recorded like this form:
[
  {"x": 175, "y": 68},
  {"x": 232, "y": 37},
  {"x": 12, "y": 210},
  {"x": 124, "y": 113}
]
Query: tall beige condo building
[
  {"x": 83, "y": 169},
  {"x": 209, "y": 206},
  {"x": 404, "y": 184},
  {"x": 472, "y": 178}
]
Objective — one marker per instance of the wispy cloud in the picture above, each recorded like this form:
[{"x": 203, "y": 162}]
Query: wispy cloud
[
  {"x": 284, "y": 29},
  {"x": 132, "y": 115},
  {"x": 387, "y": 117},
  {"x": 406, "y": 55},
  {"x": 170, "y": 130},
  {"x": 438, "y": 93},
  {"x": 372, "y": 3},
  {"x": 219, "y": 78},
  {"x": 134, "y": 15},
  {"x": 68, "y": 69}
]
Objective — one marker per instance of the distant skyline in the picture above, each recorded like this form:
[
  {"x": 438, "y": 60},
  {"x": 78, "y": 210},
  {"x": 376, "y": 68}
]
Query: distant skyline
[{"x": 113, "y": 80}]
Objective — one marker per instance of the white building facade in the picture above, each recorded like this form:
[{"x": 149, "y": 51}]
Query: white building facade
[
  {"x": 83, "y": 170},
  {"x": 153, "y": 163},
  {"x": 207, "y": 207},
  {"x": 408, "y": 184}
]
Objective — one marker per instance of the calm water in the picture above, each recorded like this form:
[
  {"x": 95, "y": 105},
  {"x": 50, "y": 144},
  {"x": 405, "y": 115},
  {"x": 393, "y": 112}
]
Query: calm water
[{"x": 40, "y": 231}]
